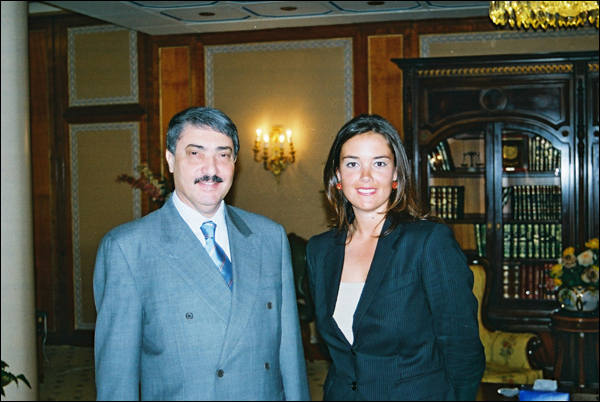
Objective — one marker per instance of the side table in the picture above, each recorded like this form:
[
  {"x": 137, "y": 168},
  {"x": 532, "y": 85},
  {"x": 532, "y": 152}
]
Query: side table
[{"x": 577, "y": 357}]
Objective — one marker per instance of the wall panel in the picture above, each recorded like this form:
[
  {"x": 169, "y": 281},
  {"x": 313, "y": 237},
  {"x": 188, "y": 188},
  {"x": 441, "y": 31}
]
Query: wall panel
[
  {"x": 99, "y": 153},
  {"x": 385, "y": 78},
  {"x": 305, "y": 86}
]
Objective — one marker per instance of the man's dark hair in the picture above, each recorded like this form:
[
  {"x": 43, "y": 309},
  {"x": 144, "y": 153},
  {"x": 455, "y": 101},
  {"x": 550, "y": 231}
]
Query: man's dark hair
[{"x": 201, "y": 117}]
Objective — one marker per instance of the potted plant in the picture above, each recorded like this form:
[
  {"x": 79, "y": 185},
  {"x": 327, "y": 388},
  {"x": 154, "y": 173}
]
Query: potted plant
[{"x": 8, "y": 377}]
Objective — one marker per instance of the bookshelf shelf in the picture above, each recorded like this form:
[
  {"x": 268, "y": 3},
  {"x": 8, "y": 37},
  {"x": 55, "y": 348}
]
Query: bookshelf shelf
[
  {"x": 527, "y": 173},
  {"x": 459, "y": 173},
  {"x": 466, "y": 220},
  {"x": 527, "y": 165},
  {"x": 532, "y": 221}
]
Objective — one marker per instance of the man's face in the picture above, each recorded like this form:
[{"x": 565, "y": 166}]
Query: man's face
[{"x": 203, "y": 168}]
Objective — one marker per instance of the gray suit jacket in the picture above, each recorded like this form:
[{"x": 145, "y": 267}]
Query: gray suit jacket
[{"x": 169, "y": 327}]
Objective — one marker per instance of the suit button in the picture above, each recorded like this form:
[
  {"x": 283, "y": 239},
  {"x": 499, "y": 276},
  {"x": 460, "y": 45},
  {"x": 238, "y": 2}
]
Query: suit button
[
  {"x": 220, "y": 373},
  {"x": 353, "y": 385},
  {"x": 269, "y": 305},
  {"x": 353, "y": 352},
  {"x": 267, "y": 366}
]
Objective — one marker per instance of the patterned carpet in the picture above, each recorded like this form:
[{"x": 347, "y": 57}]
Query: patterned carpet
[{"x": 69, "y": 375}]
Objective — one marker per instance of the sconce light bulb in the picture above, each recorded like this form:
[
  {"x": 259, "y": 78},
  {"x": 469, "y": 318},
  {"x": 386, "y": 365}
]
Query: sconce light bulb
[
  {"x": 266, "y": 138},
  {"x": 281, "y": 138}
]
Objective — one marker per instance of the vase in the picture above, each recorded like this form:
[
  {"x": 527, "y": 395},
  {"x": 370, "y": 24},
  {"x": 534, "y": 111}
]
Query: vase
[{"x": 578, "y": 299}]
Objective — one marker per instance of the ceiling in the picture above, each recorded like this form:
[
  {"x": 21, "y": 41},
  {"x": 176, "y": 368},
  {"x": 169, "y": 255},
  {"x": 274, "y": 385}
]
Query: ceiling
[{"x": 180, "y": 17}]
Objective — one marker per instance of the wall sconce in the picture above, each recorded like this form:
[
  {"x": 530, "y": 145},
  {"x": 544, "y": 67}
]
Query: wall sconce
[{"x": 273, "y": 155}]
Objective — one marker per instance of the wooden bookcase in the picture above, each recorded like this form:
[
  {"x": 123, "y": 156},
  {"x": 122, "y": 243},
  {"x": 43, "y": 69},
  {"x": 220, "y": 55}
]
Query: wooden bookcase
[{"x": 505, "y": 149}]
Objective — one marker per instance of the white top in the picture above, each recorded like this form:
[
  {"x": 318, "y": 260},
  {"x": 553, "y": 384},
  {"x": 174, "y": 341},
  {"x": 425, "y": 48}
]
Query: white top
[
  {"x": 347, "y": 300},
  {"x": 195, "y": 219}
]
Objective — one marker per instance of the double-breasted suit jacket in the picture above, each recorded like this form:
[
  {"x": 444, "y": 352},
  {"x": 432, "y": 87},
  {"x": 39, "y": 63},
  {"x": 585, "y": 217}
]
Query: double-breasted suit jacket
[
  {"x": 169, "y": 326},
  {"x": 415, "y": 327}
]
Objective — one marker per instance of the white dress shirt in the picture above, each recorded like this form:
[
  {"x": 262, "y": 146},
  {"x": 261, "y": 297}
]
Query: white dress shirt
[
  {"x": 347, "y": 300},
  {"x": 195, "y": 219}
]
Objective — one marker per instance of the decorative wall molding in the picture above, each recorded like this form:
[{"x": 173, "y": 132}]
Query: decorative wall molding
[
  {"x": 344, "y": 43},
  {"x": 427, "y": 40},
  {"x": 75, "y": 130},
  {"x": 509, "y": 70},
  {"x": 132, "y": 97}
]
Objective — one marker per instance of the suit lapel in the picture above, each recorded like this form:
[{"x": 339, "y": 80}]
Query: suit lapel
[
  {"x": 246, "y": 261},
  {"x": 189, "y": 260},
  {"x": 334, "y": 262},
  {"x": 379, "y": 268}
]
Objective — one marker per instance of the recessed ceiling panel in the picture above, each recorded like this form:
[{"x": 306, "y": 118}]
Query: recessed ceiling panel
[
  {"x": 172, "y": 17},
  {"x": 287, "y": 8},
  {"x": 172, "y": 4},
  {"x": 374, "y": 6},
  {"x": 459, "y": 4},
  {"x": 203, "y": 14}
]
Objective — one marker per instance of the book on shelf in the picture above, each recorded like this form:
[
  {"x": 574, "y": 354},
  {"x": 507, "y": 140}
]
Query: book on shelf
[
  {"x": 532, "y": 240},
  {"x": 506, "y": 195},
  {"x": 441, "y": 158},
  {"x": 542, "y": 155},
  {"x": 539, "y": 202},
  {"x": 447, "y": 202},
  {"x": 480, "y": 238},
  {"x": 528, "y": 281}
]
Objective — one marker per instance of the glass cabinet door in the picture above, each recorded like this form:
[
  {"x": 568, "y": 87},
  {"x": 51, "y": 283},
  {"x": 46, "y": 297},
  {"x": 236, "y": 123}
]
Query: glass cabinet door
[
  {"x": 530, "y": 214},
  {"x": 456, "y": 187}
]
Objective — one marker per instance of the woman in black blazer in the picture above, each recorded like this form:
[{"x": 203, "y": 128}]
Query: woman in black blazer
[{"x": 392, "y": 289}]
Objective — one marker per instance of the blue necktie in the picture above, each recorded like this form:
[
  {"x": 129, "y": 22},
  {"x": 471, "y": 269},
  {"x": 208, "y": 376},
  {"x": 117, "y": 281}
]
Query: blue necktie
[{"x": 216, "y": 252}]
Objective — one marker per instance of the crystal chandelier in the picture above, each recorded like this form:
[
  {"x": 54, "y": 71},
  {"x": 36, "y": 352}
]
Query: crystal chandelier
[{"x": 544, "y": 14}]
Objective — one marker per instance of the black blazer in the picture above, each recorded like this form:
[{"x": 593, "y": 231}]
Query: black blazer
[{"x": 416, "y": 334}]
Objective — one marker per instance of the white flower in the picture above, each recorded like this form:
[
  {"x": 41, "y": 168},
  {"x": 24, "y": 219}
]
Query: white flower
[{"x": 586, "y": 258}]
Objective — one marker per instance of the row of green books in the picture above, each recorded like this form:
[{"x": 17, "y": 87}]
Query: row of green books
[
  {"x": 441, "y": 158},
  {"x": 542, "y": 155},
  {"x": 528, "y": 281},
  {"x": 535, "y": 202},
  {"x": 447, "y": 202},
  {"x": 532, "y": 240}
]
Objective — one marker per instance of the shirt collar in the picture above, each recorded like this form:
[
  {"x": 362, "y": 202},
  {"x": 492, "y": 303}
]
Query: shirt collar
[{"x": 195, "y": 219}]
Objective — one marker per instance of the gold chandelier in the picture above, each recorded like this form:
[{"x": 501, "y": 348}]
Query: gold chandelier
[
  {"x": 544, "y": 14},
  {"x": 273, "y": 155}
]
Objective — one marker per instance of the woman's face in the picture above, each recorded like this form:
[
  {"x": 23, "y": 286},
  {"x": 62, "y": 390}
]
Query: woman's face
[{"x": 367, "y": 171}]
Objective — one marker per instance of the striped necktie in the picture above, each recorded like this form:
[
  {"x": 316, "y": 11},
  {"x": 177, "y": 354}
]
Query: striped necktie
[{"x": 216, "y": 252}]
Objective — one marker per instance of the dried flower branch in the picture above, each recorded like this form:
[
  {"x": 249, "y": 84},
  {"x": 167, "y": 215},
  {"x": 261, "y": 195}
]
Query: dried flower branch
[{"x": 156, "y": 188}]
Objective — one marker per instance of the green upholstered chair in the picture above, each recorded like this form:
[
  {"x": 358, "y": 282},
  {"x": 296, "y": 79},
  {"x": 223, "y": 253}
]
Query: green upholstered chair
[
  {"x": 306, "y": 308},
  {"x": 507, "y": 354}
]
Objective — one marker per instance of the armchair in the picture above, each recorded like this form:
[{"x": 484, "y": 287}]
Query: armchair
[{"x": 507, "y": 354}]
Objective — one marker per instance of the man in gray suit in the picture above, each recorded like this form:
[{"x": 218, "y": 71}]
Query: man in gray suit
[{"x": 196, "y": 301}]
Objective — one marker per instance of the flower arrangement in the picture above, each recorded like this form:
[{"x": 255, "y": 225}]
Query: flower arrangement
[
  {"x": 148, "y": 182},
  {"x": 581, "y": 270}
]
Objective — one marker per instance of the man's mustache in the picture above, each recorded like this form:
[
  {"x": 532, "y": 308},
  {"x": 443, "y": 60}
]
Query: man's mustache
[{"x": 214, "y": 178}]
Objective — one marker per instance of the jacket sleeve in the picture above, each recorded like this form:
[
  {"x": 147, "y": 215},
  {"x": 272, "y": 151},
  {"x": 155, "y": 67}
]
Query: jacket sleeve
[
  {"x": 448, "y": 283},
  {"x": 291, "y": 353},
  {"x": 118, "y": 334}
]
